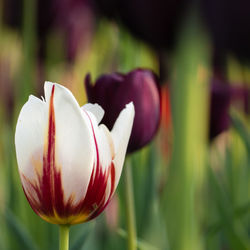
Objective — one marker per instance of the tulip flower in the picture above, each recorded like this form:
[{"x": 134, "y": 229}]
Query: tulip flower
[
  {"x": 219, "y": 110},
  {"x": 69, "y": 164},
  {"x": 112, "y": 92},
  {"x": 224, "y": 96},
  {"x": 140, "y": 86}
]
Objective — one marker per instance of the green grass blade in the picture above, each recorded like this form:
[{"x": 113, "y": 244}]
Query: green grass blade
[
  {"x": 19, "y": 232},
  {"x": 81, "y": 238}
]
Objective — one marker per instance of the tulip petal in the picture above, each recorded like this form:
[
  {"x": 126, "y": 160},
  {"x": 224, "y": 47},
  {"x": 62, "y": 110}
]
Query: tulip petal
[
  {"x": 120, "y": 134},
  {"x": 104, "y": 142},
  {"x": 29, "y": 137},
  {"x": 74, "y": 142},
  {"x": 101, "y": 186},
  {"x": 96, "y": 110}
]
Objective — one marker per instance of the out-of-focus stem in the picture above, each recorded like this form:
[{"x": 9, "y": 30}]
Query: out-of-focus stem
[
  {"x": 29, "y": 43},
  {"x": 189, "y": 102},
  {"x": 130, "y": 210},
  {"x": 63, "y": 237}
]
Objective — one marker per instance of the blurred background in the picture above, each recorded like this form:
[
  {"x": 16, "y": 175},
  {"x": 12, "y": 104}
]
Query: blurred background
[{"x": 192, "y": 181}]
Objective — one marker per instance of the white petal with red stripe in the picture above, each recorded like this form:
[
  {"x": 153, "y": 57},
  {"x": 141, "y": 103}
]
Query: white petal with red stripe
[
  {"x": 74, "y": 143},
  {"x": 120, "y": 135}
]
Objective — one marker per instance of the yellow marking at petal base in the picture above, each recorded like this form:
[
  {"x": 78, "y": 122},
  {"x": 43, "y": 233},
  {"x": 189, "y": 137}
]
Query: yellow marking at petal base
[
  {"x": 37, "y": 165},
  {"x": 71, "y": 220}
]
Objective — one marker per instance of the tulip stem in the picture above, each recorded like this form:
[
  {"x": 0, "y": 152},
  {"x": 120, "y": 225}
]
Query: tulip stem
[
  {"x": 63, "y": 237},
  {"x": 130, "y": 210}
]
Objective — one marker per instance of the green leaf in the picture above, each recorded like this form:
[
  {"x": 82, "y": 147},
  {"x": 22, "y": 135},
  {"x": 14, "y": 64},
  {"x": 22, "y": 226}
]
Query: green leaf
[
  {"x": 19, "y": 232},
  {"x": 242, "y": 130},
  {"x": 141, "y": 244},
  {"x": 81, "y": 238},
  {"x": 238, "y": 214},
  {"x": 226, "y": 214}
]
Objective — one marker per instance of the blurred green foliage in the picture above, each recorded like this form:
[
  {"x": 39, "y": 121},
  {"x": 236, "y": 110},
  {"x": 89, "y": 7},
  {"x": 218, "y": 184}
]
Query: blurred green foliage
[{"x": 190, "y": 194}]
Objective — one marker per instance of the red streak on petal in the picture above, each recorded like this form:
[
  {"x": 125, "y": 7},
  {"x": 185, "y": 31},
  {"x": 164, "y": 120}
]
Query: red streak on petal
[
  {"x": 97, "y": 186},
  {"x": 51, "y": 185},
  {"x": 95, "y": 197},
  {"x": 49, "y": 161},
  {"x": 111, "y": 170},
  {"x": 48, "y": 187}
]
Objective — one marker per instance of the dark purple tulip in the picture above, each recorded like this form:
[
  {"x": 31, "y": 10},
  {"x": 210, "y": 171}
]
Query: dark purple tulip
[
  {"x": 241, "y": 95},
  {"x": 155, "y": 21},
  {"x": 228, "y": 21},
  {"x": 75, "y": 18},
  {"x": 115, "y": 90},
  {"x": 223, "y": 96},
  {"x": 219, "y": 107}
]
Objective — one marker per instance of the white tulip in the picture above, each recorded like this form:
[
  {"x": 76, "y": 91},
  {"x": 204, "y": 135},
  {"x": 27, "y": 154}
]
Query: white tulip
[{"x": 69, "y": 165}]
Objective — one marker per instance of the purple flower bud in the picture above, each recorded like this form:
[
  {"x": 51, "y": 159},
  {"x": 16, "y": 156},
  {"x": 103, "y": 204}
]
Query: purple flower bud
[
  {"x": 219, "y": 108},
  {"x": 241, "y": 98},
  {"x": 115, "y": 90},
  {"x": 223, "y": 96}
]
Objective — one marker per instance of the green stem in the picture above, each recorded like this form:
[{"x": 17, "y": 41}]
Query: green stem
[
  {"x": 29, "y": 49},
  {"x": 130, "y": 211},
  {"x": 189, "y": 103},
  {"x": 63, "y": 237}
]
